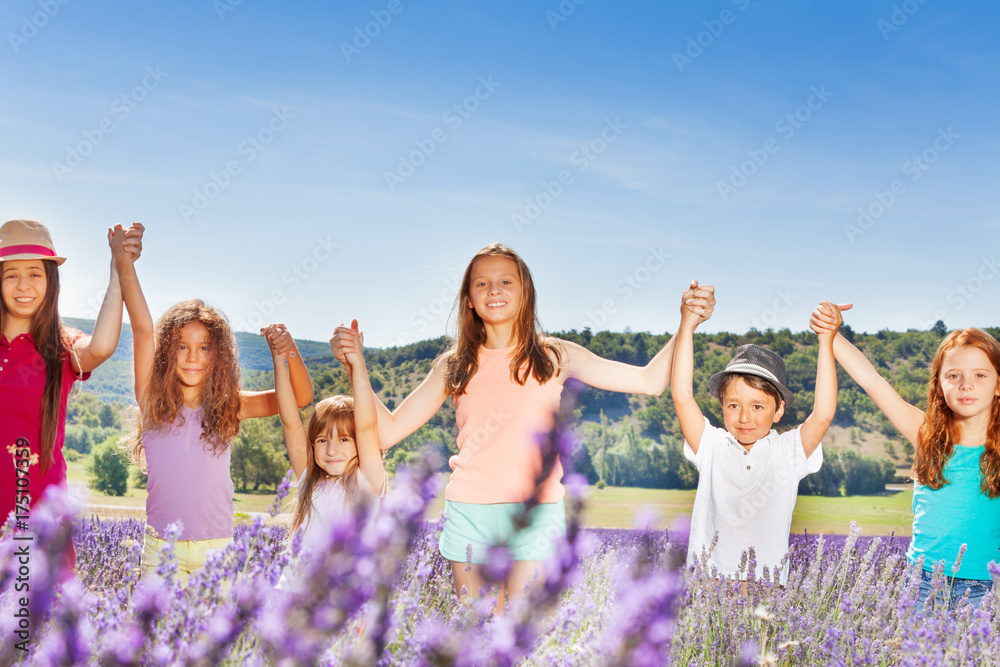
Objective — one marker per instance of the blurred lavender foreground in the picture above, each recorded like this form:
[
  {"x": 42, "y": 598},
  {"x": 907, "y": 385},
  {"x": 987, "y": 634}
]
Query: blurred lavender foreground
[{"x": 381, "y": 594}]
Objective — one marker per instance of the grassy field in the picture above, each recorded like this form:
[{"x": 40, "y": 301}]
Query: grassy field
[{"x": 612, "y": 508}]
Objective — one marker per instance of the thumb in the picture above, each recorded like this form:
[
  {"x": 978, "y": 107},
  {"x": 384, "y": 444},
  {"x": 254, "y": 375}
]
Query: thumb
[
  {"x": 354, "y": 326},
  {"x": 845, "y": 306}
]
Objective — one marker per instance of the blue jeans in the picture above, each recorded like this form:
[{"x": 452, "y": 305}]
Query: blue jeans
[{"x": 954, "y": 590}]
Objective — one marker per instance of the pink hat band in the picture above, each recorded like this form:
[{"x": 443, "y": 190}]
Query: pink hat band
[{"x": 28, "y": 249}]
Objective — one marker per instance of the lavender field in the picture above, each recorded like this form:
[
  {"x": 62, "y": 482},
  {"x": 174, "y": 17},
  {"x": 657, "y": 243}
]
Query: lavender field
[{"x": 382, "y": 595}]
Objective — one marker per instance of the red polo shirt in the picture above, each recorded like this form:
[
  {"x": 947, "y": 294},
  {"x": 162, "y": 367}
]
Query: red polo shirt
[{"x": 22, "y": 383}]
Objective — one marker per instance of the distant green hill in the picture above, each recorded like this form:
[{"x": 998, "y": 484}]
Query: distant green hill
[{"x": 628, "y": 440}]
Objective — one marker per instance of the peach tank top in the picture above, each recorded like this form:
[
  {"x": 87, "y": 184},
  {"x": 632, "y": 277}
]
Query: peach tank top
[{"x": 498, "y": 422}]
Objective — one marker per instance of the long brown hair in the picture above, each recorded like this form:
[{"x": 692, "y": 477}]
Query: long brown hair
[
  {"x": 333, "y": 415},
  {"x": 939, "y": 432},
  {"x": 52, "y": 342},
  {"x": 532, "y": 347},
  {"x": 220, "y": 392}
]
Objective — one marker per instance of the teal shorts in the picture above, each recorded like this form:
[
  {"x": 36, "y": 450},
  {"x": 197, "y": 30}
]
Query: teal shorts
[{"x": 485, "y": 526}]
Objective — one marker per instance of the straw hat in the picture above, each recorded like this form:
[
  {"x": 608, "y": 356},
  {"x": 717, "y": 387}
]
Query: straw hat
[{"x": 26, "y": 239}]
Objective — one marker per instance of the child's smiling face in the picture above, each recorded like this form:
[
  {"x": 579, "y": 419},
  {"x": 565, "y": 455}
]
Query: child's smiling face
[
  {"x": 749, "y": 413},
  {"x": 334, "y": 451},
  {"x": 495, "y": 289}
]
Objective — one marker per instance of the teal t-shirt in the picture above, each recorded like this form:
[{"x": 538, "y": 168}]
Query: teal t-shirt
[{"x": 957, "y": 513}]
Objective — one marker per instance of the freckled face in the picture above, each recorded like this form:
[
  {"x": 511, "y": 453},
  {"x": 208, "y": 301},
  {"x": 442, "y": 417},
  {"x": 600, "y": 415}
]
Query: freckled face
[
  {"x": 495, "y": 289},
  {"x": 748, "y": 412},
  {"x": 23, "y": 286},
  {"x": 334, "y": 451}
]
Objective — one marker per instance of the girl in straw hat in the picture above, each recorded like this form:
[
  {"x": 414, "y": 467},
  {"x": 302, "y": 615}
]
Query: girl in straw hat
[{"x": 40, "y": 358}]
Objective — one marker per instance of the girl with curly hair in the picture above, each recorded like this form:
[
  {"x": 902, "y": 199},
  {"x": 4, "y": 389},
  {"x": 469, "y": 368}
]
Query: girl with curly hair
[
  {"x": 187, "y": 385},
  {"x": 956, "y": 463}
]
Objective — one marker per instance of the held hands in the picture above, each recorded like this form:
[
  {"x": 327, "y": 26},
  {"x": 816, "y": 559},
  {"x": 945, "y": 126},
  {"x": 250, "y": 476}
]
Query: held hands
[
  {"x": 697, "y": 303},
  {"x": 347, "y": 345},
  {"x": 126, "y": 244},
  {"x": 279, "y": 340},
  {"x": 826, "y": 318}
]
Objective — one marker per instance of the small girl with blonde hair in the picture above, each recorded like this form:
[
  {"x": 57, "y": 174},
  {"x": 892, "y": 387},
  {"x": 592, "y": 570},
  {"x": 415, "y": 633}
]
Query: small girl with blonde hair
[
  {"x": 187, "y": 385},
  {"x": 956, "y": 442}
]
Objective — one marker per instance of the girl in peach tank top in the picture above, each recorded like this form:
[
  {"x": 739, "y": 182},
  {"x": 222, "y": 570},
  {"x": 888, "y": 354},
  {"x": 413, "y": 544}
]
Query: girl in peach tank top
[{"x": 506, "y": 376}]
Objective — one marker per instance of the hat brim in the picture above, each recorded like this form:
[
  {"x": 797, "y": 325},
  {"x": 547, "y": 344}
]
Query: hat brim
[
  {"x": 31, "y": 255},
  {"x": 716, "y": 381}
]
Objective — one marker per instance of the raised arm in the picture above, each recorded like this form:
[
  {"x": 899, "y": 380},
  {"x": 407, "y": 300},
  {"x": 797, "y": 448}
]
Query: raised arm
[
  {"x": 825, "y": 403},
  {"x": 91, "y": 351},
  {"x": 296, "y": 440},
  {"x": 651, "y": 379},
  {"x": 689, "y": 415},
  {"x": 905, "y": 417},
  {"x": 265, "y": 403},
  {"x": 415, "y": 410},
  {"x": 138, "y": 310},
  {"x": 365, "y": 415}
]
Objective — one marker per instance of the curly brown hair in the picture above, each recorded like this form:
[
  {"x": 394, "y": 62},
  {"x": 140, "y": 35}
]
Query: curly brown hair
[
  {"x": 533, "y": 347},
  {"x": 52, "y": 340},
  {"x": 220, "y": 392},
  {"x": 939, "y": 433},
  {"x": 333, "y": 415}
]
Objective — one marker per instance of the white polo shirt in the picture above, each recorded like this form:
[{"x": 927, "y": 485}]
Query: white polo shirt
[{"x": 748, "y": 497}]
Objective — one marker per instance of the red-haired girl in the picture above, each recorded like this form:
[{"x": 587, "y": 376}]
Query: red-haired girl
[
  {"x": 956, "y": 462},
  {"x": 187, "y": 385},
  {"x": 40, "y": 358},
  {"x": 506, "y": 376}
]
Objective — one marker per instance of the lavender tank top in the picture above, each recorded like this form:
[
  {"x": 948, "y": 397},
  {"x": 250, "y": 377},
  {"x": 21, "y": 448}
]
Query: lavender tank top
[{"x": 186, "y": 482}]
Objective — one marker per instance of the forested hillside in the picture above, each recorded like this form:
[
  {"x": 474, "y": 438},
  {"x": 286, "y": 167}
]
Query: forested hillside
[{"x": 627, "y": 440}]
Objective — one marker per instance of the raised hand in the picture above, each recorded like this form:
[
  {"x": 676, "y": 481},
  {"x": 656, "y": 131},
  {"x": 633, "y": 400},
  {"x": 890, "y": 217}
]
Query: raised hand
[
  {"x": 698, "y": 300},
  {"x": 279, "y": 340},
  {"x": 354, "y": 349},
  {"x": 132, "y": 242},
  {"x": 826, "y": 318},
  {"x": 342, "y": 341}
]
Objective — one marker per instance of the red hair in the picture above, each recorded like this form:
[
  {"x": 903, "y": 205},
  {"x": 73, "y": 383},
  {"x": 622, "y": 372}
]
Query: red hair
[{"x": 939, "y": 432}]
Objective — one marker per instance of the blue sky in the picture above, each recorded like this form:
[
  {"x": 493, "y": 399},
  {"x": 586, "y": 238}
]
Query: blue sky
[{"x": 288, "y": 166}]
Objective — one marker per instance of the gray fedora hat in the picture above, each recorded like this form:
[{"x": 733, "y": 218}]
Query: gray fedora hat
[{"x": 755, "y": 360}]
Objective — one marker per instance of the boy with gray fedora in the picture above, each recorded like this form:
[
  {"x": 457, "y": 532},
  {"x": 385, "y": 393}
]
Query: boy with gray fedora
[{"x": 748, "y": 473}]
